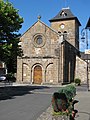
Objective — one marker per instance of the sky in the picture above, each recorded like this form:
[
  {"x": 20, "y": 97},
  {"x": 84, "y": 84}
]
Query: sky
[{"x": 31, "y": 9}]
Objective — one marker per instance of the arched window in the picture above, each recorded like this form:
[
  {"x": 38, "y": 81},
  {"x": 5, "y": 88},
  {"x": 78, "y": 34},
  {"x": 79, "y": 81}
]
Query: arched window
[
  {"x": 65, "y": 35},
  {"x": 59, "y": 33},
  {"x": 63, "y": 14}
]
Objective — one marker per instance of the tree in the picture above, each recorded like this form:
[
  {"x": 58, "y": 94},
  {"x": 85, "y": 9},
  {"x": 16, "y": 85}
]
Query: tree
[{"x": 10, "y": 24}]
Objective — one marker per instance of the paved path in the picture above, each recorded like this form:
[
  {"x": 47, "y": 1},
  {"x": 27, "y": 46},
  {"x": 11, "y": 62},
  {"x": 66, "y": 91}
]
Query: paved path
[{"x": 83, "y": 106}]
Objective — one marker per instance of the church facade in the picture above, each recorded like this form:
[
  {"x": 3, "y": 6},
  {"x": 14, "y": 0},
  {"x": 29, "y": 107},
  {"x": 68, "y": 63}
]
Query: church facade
[{"x": 49, "y": 52}]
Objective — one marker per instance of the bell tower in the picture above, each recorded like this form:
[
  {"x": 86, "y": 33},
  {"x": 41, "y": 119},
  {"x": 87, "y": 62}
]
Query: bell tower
[{"x": 67, "y": 24}]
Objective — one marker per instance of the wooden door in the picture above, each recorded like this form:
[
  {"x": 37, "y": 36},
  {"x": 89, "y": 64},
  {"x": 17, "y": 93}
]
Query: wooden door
[{"x": 37, "y": 78}]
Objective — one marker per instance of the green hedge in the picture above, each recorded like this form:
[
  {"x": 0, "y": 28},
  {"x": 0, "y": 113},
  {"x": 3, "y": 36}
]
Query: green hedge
[
  {"x": 77, "y": 81},
  {"x": 63, "y": 102},
  {"x": 69, "y": 90}
]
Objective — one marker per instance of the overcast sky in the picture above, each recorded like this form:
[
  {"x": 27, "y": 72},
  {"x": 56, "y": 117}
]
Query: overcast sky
[{"x": 30, "y": 9}]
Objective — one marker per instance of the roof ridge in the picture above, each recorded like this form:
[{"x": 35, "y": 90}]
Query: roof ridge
[{"x": 42, "y": 23}]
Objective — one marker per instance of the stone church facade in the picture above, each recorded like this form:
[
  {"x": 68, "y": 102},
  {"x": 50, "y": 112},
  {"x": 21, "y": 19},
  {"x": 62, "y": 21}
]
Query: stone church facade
[{"x": 49, "y": 53}]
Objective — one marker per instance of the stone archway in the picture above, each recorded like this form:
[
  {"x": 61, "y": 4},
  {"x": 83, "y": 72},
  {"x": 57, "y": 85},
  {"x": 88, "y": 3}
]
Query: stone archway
[
  {"x": 49, "y": 76},
  {"x": 37, "y": 75}
]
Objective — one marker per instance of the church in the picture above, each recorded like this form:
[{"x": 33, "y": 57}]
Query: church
[{"x": 50, "y": 52}]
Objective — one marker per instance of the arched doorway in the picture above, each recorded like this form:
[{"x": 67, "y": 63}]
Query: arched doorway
[{"x": 37, "y": 75}]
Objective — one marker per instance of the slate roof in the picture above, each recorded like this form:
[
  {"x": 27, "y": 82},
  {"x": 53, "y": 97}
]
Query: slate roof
[{"x": 64, "y": 14}]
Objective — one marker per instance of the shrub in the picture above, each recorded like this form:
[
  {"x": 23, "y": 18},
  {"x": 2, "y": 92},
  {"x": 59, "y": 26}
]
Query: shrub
[
  {"x": 63, "y": 102},
  {"x": 77, "y": 81},
  {"x": 69, "y": 90}
]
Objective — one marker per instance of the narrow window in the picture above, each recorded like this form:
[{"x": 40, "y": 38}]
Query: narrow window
[{"x": 65, "y": 35}]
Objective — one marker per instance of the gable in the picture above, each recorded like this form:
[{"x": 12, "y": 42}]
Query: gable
[
  {"x": 38, "y": 27},
  {"x": 38, "y": 40}
]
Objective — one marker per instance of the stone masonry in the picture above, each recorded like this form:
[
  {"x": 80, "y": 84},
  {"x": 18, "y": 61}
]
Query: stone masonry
[{"x": 49, "y": 53}]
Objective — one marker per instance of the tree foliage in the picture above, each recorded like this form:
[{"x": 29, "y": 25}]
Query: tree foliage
[{"x": 10, "y": 24}]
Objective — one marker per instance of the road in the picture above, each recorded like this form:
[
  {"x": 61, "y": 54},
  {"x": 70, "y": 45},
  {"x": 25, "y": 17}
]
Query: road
[{"x": 27, "y": 106}]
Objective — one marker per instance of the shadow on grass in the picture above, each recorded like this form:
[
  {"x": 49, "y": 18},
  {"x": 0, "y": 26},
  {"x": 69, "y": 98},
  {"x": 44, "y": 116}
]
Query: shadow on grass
[{"x": 9, "y": 92}]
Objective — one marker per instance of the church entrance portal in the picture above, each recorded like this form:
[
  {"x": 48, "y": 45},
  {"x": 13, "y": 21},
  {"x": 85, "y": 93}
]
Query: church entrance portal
[{"x": 37, "y": 76}]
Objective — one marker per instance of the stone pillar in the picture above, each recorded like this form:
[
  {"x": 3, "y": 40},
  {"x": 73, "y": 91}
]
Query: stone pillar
[
  {"x": 19, "y": 70},
  {"x": 43, "y": 76},
  {"x": 61, "y": 63}
]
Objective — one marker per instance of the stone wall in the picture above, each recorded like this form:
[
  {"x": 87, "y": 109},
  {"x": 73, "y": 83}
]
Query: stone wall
[
  {"x": 26, "y": 68},
  {"x": 43, "y": 55},
  {"x": 69, "y": 62},
  {"x": 81, "y": 70},
  {"x": 71, "y": 28}
]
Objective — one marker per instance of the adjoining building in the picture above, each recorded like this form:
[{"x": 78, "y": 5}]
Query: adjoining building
[{"x": 51, "y": 53}]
